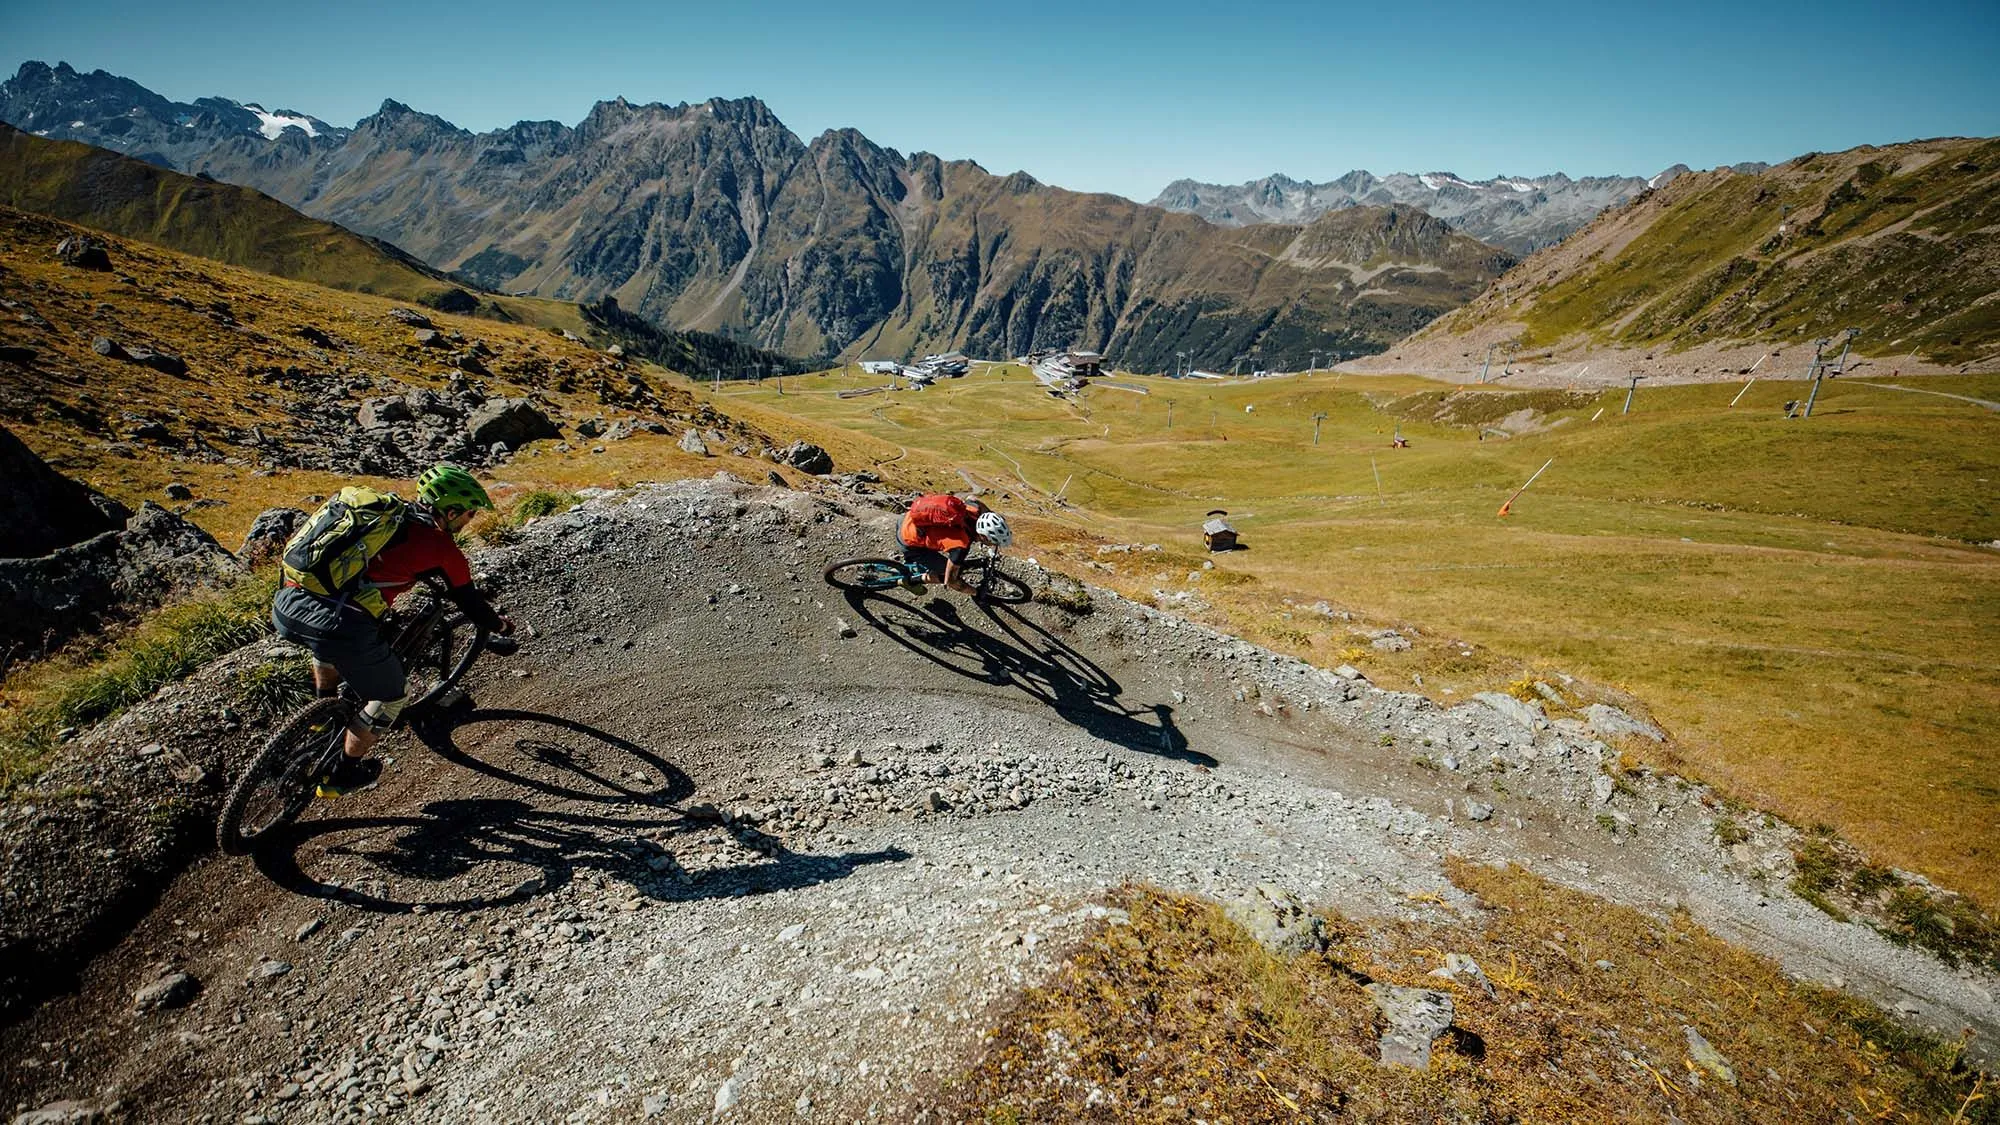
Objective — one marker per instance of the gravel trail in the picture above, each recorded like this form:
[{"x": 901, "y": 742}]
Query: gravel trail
[{"x": 721, "y": 842}]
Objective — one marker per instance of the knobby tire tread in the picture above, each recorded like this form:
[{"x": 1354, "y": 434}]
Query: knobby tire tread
[{"x": 285, "y": 744}]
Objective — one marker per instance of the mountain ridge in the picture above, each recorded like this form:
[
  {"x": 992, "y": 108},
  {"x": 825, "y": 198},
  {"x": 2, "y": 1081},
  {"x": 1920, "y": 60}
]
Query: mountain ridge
[{"x": 715, "y": 216}]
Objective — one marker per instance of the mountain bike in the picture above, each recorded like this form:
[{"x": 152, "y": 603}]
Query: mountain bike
[
  {"x": 437, "y": 645},
  {"x": 989, "y": 583}
]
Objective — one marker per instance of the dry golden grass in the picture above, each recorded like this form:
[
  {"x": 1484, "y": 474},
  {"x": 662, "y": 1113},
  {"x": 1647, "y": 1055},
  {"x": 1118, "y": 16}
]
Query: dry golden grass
[{"x": 1181, "y": 1016}]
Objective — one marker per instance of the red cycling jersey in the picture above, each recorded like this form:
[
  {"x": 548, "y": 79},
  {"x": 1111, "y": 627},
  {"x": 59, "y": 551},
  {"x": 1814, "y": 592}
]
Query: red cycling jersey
[{"x": 419, "y": 549}]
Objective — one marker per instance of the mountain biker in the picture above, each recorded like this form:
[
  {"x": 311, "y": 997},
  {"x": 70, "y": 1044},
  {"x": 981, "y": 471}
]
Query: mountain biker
[
  {"x": 938, "y": 530},
  {"x": 342, "y": 628}
]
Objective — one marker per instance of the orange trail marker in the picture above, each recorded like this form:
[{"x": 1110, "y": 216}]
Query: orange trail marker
[{"x": 1517, "y": 492}]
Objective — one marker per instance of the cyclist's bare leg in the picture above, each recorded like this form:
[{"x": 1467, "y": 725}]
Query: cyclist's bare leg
[{"x": 326, "y": 679}]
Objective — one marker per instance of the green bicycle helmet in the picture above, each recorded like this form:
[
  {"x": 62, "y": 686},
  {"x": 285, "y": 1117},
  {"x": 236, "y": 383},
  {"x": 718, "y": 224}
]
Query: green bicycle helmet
[{"x": 444, "y": 486}]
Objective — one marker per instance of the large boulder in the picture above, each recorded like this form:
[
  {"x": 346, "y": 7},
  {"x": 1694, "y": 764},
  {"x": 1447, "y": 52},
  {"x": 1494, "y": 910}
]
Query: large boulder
[
  {"x": 42, "y": 510},
  {"x": 83, "y": 253},
  {"x": 512, "y": 422},
  {"x": 383, "y": 412},
  {"x": 273, "y": 528},
  {"x": 807, "y": 458}
]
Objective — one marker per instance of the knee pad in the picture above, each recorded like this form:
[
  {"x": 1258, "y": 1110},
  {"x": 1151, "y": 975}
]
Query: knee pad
[{"x": 379, "y": 715}]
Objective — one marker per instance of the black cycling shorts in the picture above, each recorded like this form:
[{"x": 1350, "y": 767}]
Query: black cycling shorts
[
  {"x": 932, "y": 561},
  {"x": 343, "y": 635}
]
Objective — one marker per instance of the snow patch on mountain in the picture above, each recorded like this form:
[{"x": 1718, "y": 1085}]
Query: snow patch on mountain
[{"x": 273, "y": 125}]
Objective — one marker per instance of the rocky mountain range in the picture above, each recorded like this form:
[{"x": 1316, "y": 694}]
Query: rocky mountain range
[
  {"x": 1521, "y": 213},
  {"x": 715, "y": 216}
]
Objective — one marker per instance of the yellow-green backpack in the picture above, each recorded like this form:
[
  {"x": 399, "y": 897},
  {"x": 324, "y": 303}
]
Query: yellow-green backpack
[{"x": 330, "y": 554}]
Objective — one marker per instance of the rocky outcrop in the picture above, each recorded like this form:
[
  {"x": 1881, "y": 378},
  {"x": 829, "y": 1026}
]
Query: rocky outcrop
[
  {"x": 48, "y": 599},
  {"x": 807, "y": 458},
  {"x": 42, "y": 510}
]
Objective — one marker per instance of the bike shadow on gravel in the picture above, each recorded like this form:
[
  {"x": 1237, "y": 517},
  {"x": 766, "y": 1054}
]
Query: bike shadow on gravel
[
  {"x": 477, "y": 853},
  {"x": 1006, "y": 648}
]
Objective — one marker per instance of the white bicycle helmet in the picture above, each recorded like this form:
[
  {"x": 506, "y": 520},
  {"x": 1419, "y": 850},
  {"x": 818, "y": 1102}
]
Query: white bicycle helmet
[{"x": 992, "y": 527}]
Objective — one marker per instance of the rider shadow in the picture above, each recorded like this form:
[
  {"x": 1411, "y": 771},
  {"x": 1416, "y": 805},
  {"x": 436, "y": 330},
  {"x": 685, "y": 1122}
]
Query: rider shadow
[
  {"x": 571, "y": 760},
  {"x": 477, "y": 853},
  {"x": 1020, "y": 653}
]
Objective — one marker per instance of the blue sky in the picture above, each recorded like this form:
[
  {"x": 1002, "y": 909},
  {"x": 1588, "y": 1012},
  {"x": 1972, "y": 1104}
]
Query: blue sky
[{"x": 1120, "y": 98}]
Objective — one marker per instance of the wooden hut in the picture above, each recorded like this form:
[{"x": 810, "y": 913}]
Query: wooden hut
[{"x": 1216, "y": 532}]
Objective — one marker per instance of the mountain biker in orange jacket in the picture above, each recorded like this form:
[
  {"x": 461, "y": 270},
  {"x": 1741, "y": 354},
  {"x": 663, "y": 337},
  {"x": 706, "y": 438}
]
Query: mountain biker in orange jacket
[
  {"x": 938, "y": 530},
  {"x": 346, "y": 640}
]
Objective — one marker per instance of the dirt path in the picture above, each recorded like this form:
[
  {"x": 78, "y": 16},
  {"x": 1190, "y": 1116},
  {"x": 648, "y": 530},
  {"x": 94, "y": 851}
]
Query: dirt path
[
  {"x": 718, "y": 840},
  {"x": 1988, "y": 404}
]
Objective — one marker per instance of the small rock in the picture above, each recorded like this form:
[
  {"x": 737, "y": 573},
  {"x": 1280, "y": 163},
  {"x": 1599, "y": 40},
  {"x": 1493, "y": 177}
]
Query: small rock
[
  {"x": 308, "y": 928},
  {"x": 1707, "y": 1057},
  {"x": 727, "y": 1095},
  {"x": 842, "y": 628},
  {"x": 1277, "y": 920},
  {"x": 109, "y": 348},
  {"x": 792, "y": 932},
  {"x": 271, "y": 969},
  {"x": 1526, "y": 714},
  {"x": 1610, "y": 721},
  {"x": 170, "y": 991},
  {"x": 1603, "y": 787},
  {"x": 653, "y": 1105},
  {"x": 179, "y": 491},
  {"x": 1415, "y": 1018},
  {"x": 1477, "y": 810}
]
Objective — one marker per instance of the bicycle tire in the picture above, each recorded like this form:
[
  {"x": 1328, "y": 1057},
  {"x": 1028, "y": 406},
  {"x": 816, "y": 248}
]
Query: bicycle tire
[
  {"x": 865, "y": 574},
  {"x": 992, "y": 584},
  {"x": 278, "y": 782},
  {"x": 438, "y": 655}
]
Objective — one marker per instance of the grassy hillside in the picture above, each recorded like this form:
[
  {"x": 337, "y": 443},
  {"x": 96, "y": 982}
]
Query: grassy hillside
[
  {"x": 1804, "y": 605},
  {"x": 109, "y": 192},
  {"x": 1898, "y": 241}
]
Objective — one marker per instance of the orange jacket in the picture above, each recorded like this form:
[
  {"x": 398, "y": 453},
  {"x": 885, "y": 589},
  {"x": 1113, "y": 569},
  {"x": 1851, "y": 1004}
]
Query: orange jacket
[{"x": 939, "y": 522}]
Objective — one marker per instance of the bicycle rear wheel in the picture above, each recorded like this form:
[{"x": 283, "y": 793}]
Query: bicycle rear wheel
[
  {"x": 992, "y": 584},
  {"x": 866, "y": 574},
  {"x": 278, "y": 783}
]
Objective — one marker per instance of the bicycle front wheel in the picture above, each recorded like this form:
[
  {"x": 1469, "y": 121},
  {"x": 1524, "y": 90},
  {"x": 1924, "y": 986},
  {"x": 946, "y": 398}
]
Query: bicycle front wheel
[
  {"x": 866, "y": 574},
  {"x": 437, "y": 660},
  {"x": 278, "y": 783},
  {"x": 992, "y": 584}
]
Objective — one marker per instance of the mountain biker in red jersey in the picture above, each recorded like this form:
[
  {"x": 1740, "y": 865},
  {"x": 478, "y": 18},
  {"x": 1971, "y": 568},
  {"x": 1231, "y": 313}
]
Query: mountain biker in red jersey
[
  {"x": 939, "y": 529},
  {"x": 343, "y": 632}
]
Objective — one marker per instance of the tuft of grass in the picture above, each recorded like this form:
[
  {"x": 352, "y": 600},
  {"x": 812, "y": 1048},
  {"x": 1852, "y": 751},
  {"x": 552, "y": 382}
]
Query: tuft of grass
[
  {"x": 1066, "y": 594},
  {"x": 271, "y": 690},
  {"x": 1728, "y": 833},
  {"x": 542, "y": 502},
  {"x": 165, "y": 647}
]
